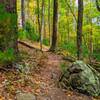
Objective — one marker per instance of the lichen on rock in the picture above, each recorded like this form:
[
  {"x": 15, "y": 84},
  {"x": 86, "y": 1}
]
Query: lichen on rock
[{"x": 81, "y": 77}]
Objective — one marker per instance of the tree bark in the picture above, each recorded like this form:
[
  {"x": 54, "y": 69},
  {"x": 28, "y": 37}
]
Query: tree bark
[
  {"x": 23, "y": 13},
  {"x": 91, "y": 36},
  {"x": 28, "y": 10},
  {"x": 79, "y": 29},
  {"x": 49, "y": 21},
  {"x": 38, "y": 18},
  {"x": 42, "y": 25},
  {"x": 44, "y": 22},
  {"x": 55, "y": 21}
]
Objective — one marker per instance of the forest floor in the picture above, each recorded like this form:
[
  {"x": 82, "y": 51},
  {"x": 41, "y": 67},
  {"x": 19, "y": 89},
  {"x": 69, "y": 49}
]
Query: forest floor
[{"x": 41, "y": 80}]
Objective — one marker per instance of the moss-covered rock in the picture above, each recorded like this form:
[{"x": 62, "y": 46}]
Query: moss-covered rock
[{"x": 81, "y": 77}]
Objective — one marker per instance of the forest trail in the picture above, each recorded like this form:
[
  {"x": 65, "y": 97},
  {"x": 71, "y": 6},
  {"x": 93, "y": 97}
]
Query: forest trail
[
  {"x": 41, "y": 82},
  {"x": 27, "y": 67},
  {"x": 49, "y": 75}
]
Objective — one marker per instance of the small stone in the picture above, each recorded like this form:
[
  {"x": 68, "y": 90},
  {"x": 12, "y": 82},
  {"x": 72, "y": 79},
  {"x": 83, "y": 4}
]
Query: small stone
[
  {"x": 25, "y": 96},
  {"x": 43, "y": 85},
  {"x": 53, "y": 75}
]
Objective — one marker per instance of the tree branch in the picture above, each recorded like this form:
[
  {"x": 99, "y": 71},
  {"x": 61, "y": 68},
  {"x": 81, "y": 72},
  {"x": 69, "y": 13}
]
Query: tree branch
[{"x": 71, "y": 11}]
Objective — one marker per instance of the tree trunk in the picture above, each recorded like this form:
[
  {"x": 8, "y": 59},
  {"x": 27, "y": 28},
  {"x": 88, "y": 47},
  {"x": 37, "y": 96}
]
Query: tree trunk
[
  {"x": 55, "y": 21},
  {"x": 44, "y": 36},
  {"x": 68, "y": 24},
  {"x": 91, "y": 36},
  {"x": 91, "y": 43},
  {"x": 42, "y": 25},
  {"x": 8, "y": 26},
  {"x": 79, "y": 29},
  {"x": 23, "y": 13},
  {"x": 27, "y": 9},
  {"x": 49, "y": 21},
  {"x": 38, "y": 18}
]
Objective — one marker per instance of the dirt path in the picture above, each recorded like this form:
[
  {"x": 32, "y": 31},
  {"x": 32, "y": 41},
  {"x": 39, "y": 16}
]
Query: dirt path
[
  {"x": 41, "y": 82},
  {"x": 48, "y": 77}
]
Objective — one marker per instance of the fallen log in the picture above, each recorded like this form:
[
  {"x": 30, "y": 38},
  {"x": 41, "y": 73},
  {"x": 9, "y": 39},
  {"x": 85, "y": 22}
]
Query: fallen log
[{"x": 27, "y": 45}]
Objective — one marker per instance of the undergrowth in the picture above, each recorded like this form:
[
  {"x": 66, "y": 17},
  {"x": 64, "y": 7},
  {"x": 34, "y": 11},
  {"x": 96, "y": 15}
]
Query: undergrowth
[
  {"x": 28, "y": 32},
  {"x": 7, "y": 56}
]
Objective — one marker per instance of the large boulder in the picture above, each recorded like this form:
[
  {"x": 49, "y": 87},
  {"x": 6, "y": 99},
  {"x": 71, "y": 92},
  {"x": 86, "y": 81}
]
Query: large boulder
[{"x": 81, "y": 77}]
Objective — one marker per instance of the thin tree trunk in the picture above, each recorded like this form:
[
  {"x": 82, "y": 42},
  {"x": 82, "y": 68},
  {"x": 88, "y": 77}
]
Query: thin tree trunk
[
  {"x": 79, "y": 29},
  {"x": 91, "y": 39},
  {"x": 23, "y": 13},
  {"x": 28, "y": 11},
  {"x": 68, "y": 30},
  {"x": 44, "y": 22},
  {"x": 38, "y": 17},
  {"x": 71, "y": 10},
  {"x": 42, "y": 25},
  {"x": 55, "y": 21},
  {"x": 91, "y": 43},
  {"x": 49, "y": 21}
]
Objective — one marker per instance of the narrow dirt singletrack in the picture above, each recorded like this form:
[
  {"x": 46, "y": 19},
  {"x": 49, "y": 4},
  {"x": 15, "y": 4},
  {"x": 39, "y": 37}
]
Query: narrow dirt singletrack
[
  {"x": 49, "y": 76},
  {"x": 42, "y": 82}
]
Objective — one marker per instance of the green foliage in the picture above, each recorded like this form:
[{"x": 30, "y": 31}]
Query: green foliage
[
  {"x": 7, "y": 56},
  {"x": 6, "y": 16},
  {"x": 67, "y": 25},
  {"x": 28, "y": 32},
  {"x": 96, "y": 54},
  {"x": 85, "y": 51},
  {"x": 8, "y": 27},
  {"x": 63, "y": 67},
  {"x": 29, "y": 28},
  {"x": 70, "y": 47},
  {"x": 46, "y": 42},
  {"x": 22, "y": 34},
  {"x": 7, "y": 35},
  {"x": 3, "y": 13}
]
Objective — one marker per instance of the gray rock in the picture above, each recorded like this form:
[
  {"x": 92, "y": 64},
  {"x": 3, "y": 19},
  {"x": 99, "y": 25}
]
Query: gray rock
[
  {"x": 81, "y": 77},
  {"x": 44, "y": 98},
  {"x": 25, "y": 96}
]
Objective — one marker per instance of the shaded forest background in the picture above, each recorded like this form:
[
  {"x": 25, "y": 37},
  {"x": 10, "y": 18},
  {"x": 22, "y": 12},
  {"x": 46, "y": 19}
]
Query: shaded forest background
[{"x": 38, "y": 14}]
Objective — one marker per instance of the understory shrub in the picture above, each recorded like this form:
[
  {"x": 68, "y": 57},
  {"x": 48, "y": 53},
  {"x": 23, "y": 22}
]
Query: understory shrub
[
  {"x": 96, "y": 54},
  {"x": 71, "y": 48},
  {"x": 7, "y": 56},
  {"x": 46, "y": 42},
  {"x": 28, "y": 32}
]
